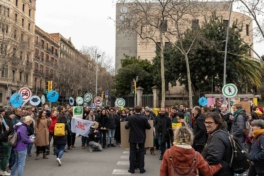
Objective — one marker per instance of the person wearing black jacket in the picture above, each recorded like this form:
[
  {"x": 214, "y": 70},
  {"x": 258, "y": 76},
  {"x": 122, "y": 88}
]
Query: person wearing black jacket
[
  {"x": 218, "y": 148},
  {"x": 162, "y": 125},
  {"x": 199, "y": 131},
  {"x": 94, "y": 138},
  {"x": 112, "y": 123},
  {"x": 61, "y": 141},
  {"x": 103, "y": 121},
  {"x": 137, "y": 124},
  {"x": 226, "y": 116}
]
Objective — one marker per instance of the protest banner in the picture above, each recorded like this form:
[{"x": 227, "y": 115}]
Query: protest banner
[
  {"x": 81, "y": 126},
  {"x": 125, "y": 135}
]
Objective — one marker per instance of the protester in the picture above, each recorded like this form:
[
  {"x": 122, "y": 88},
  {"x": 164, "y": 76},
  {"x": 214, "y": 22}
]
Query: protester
[
  {"x": 42, "y": 134},
  {"x": 103, "y": 121},
  {"x": 226, "y": 116},
  {"x": 21, "y": 148},
  {"x": 94, "y": 138},
  {"x": 218, "y": 148},
  {"x": 137, "y": 124},
  {"x": 60, "y": 141},
  {"x": 199, "y": 131},
  {"x": 53, "y": 118},
  {"x": 257, "y": 153},
  {"x": 181, "y": 156},
  {"x": 162, "y": 125},
  {"x": 112, "y": 121}
]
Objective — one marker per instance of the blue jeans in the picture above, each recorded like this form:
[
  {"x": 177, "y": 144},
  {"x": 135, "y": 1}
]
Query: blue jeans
[
  {"x": 60, "y": 150},
  {"x": 29, "y": 148},
  {"x": 162, "y": 145},
  {"x": 12, "y": 158},
  {"x": 111, "y": 135},
  {"x": 20, "y": 158}
]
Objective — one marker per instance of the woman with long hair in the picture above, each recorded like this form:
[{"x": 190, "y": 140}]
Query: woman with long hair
[
  {"x": 103, "y": 121},
  {"x": 42, "y": 134}
]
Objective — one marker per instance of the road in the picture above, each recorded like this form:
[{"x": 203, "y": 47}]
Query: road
[{"x": 80, "y": 162}]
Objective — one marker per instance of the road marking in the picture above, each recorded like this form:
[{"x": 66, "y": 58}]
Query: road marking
[
  {"x": 120, "y": 172},
  {"x": 123, "y": 163},
  {"x": 126, "y": 152},
  {"x": 124, "y": 157}
]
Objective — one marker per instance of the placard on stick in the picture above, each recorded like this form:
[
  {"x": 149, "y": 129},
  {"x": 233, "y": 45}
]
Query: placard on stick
[
  {"x": 125, "y": 135},
  {"x": 246, "y": 106}
]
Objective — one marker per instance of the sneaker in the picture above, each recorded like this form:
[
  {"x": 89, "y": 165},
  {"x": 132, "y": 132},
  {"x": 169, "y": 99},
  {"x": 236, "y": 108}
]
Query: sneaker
[
  {"x": 112, "y": 145},
  {"x": 59, "y": 161},
  {"x": 4, "y": 173},
  {"x": 90, "y": 149}
]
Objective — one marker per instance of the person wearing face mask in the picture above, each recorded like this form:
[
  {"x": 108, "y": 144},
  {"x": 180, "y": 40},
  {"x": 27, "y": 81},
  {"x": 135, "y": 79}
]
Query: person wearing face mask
[{"x": 162, "y": 125}]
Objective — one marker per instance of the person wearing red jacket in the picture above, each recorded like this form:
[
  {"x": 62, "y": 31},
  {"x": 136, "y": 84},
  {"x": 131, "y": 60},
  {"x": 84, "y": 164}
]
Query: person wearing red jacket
[{"x": 53, "y": 117}]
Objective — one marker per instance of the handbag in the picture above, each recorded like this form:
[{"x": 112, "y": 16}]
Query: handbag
[
  {"x": 12, "y": 139},
  {"x": 185, "y": 171}
]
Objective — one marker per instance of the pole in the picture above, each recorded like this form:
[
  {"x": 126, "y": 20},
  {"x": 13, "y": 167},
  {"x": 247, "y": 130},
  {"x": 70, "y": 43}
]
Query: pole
[
  {"x": 96, "y": 72},
  {"x": 227, "y": 36},
  {"x": 135, "y": 92}
]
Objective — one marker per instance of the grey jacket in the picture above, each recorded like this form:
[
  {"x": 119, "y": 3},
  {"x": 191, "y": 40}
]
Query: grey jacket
[{"x": 238, "y": 128}]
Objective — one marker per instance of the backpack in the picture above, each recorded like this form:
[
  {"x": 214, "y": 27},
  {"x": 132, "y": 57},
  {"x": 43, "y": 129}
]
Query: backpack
[
  {"x": 188, "y": 171},
  {"x": 12, "y": 139},
  {"x": 239, "y": 160},
  {"x": 59, "y": 129}
]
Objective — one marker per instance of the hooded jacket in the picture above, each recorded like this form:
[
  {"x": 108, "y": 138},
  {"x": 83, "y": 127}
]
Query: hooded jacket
[
  {"x": 22, "y": 136},
  {"x": 53, "y": 122},
  {"x": 183, "y": 157},
  {"x": 239, "y": 125}
]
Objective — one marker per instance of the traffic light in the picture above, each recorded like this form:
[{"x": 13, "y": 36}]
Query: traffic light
[
  {"x": 49, "y": 85},
  {"x": 103, "y": 95}
]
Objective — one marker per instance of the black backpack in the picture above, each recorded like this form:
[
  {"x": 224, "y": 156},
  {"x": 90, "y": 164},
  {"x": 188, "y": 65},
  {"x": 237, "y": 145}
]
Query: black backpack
[{"x": 240, "y": 162}]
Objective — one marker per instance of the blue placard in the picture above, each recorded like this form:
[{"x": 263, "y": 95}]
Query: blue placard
[
  {"x": 16, "y": 100},
  {"x": 53, "y": 96},
  {"x": 203, "y": 101},
  {"x": 106, "y": 92}
]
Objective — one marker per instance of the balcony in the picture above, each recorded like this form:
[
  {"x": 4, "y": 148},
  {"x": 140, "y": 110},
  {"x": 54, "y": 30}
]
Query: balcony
[
  {"x": 28, "y": 65},
  {"x": 37, "y": 58}
]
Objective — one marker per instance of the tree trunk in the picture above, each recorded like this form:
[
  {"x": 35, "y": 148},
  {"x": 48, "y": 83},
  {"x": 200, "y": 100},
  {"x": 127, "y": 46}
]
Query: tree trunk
[
  {"x": 189, "y": 81},
  {"x": 162, "y": 71}
]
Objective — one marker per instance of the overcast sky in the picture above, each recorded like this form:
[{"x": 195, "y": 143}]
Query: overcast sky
[{"x": 85, "y": 21}]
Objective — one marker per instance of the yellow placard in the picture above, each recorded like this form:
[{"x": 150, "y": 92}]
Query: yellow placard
[
  {"x": 256, "y": 101},
  {"x": 176, "y": 125}
]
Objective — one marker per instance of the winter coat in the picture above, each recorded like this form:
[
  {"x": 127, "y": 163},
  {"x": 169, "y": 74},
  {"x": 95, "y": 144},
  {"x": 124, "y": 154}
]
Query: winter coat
[
  {"x": 112, "y": 121},
  {"x": 53, "y": 122},
  {"x": 22, "y": 136},
  {"x": 183, "y": 157},
  {"x": 219, "y": 150},
  {"x": 199, "y": 130},
  {"x": 123, "y": 118},
  {"x": 16, "y": 119},
  {"x": 94, "y": 136},
  {"x": 103, "y": 121},
  {"x": 257, "y": 151},
  {"x": 42, "y": 132},
  {"x": 238, "y": 127},
  {"x": 62, "y": 140},
  {"x": 162, "y": 125}
]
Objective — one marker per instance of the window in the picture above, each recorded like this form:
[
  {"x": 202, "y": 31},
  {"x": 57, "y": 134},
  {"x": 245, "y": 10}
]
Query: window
[
  {"x": 164, "y": 26},
  {"x": 15, "y": 34},
  {"x": 1, "y": 97},
  {"x": 47, "y": 46},
  {"x": 21, "y": 55},
  {"x": 15, "y": 17},
  {"x": 42, "y": 43},
  {"x": 22, "y": 37},
  {"x": 16, "y": 2},
  {"x": 26, "y": 78},
  {"x": 37, "y": 40},
  {"x": 4, "y": 73},
  {"x": 28, "y": 26},
  {"x": 29, "y": 12},
  {"x": 28, "y": 56},
  {"x": 7, "y": 12},
  {"x": 23, "y": 7},
  {"x": 13, "y": 75},
  {"x": 20, "y": 76},
  {"x": 247, "y": 29},
  {"x": 195, "y": 24},
  {"x": 23, "y": 21},
  {"x": 14, "y": 52}
]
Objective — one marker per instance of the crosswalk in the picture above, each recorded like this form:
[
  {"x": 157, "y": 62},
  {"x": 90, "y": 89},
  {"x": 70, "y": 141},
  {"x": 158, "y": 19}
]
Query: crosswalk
[{"x": 123, "y": 164}]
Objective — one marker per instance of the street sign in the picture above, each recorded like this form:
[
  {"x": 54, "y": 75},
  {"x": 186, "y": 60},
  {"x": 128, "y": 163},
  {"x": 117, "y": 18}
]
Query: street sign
[
  {"x": 98, "y": 101},
  {"x": 79, "y": 100},
  {"x": 26, "y": 93},
  {"x": 7, "y": 98},
  {"x": 43, "y": 99},
  {"x": 71, "y": 101},
  {"x": 106, "y": 92},
  {"x": 120, "y": 102},
  {"x": 34, "y": 100},
  {"x": 87, "y": 97},
  {"x": 229, "y": 90},
  {"x": 203, "y": 101},
  {"x": 16, "y": 100},
  {"x": 53, "y": 96}
]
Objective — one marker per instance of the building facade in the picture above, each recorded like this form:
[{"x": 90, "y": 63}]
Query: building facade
[{"x": 17, "y": 22}]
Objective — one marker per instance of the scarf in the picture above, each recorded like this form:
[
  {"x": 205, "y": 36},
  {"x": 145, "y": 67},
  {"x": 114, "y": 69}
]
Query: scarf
[
  {"x": 257, "y": 133},
  {"x": 235, "y": 114}
]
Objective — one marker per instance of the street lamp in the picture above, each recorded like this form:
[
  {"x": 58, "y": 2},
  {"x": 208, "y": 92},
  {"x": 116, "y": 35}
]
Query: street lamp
[
  {"x": 227, "y": 36},
  {"x": 96, "y": 72}
]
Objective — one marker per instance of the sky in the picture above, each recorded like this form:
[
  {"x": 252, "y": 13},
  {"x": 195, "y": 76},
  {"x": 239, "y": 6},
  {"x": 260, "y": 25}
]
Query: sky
[{"x": 85, "y": 21}]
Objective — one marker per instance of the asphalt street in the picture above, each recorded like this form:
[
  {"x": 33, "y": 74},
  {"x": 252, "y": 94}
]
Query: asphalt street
[{"x": 80, "y": 162}]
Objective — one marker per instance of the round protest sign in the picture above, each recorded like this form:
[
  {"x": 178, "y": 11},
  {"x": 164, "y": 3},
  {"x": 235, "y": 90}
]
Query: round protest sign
[
  {"x": 26, "y": 93},
  {"x": 53, "y": 96},
  {"x": 71, "y": 101},
  {"x": 229, "y": 90},
  {"x": 120, "y": 102},
  {"x": 34, "y": 100},
  {"x": 98, "y": 101},
  {"x": 87, "y": 97},
  {"x": 79, "y": 100},
  {"x": 203, "y": 101},
  {"x": 16, "y": 100}
]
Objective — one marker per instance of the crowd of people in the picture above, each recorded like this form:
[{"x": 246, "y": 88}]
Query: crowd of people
[{"x": 181, "y": 135}]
